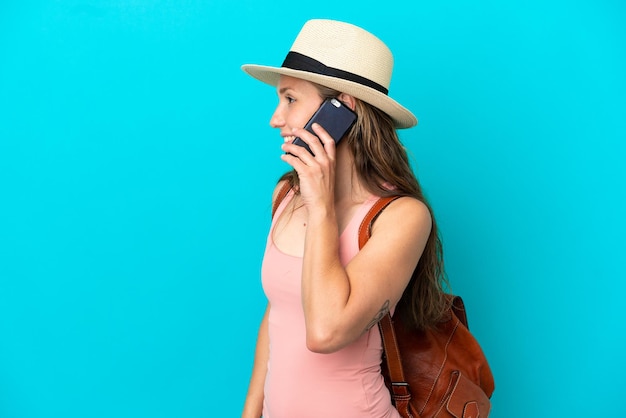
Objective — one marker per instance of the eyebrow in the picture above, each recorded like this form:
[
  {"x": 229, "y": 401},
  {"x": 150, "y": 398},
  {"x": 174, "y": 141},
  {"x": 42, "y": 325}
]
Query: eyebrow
[{"x": 284, "y": 89}]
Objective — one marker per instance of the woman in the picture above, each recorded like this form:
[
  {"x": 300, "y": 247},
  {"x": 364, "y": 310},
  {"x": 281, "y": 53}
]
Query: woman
[{"x": 318, "y": 350}]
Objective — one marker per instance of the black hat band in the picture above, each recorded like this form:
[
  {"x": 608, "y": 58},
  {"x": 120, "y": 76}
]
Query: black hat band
[{"x": 297, "y": 61}]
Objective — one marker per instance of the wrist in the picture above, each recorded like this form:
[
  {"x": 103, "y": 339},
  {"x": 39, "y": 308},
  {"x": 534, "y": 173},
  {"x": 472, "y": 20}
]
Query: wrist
[{"x": 320, "y": 214}]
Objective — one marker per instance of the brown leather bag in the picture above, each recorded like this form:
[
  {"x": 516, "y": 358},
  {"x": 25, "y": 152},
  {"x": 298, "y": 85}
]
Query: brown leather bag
[{"x": 439, "y": 372}]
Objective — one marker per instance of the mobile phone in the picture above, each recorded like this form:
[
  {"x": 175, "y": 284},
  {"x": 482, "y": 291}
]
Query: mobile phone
[{"x": 334, "y": 116}]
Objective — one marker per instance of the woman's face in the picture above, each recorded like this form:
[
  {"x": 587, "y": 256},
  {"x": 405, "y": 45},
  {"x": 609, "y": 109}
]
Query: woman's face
[{"x": 297, "y": 101}]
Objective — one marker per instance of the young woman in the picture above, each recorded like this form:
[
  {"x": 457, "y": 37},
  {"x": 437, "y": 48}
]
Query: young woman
[{"x": 319, "y": 349}]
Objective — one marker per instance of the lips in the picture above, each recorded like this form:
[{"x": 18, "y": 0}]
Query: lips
[{"x": 289, "y": 138}]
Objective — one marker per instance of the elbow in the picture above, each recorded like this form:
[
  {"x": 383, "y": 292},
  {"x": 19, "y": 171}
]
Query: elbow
[{"x": 322, "y": 341}]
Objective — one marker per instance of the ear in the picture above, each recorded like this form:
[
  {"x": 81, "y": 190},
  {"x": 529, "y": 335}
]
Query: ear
[{"x": 348, "y": 100}]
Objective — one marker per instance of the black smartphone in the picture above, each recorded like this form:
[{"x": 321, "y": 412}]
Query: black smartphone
[{"x": 334, "y": 116}]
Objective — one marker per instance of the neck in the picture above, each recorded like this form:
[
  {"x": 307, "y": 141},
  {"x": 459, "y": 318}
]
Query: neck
[{"x": 348, "y": 186}]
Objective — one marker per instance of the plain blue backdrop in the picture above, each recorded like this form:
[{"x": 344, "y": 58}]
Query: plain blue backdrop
[{"x": 137, "y": 163}]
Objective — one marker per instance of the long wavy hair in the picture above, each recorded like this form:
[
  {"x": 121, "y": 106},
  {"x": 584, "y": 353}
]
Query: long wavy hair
[{"x": 382, "y": 164}]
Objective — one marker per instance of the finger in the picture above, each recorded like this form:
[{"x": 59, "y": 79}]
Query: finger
[
  {"x": 297, "y": 157},
  {"x": 294, "y": 161},
  {"x": 314, "y": 142},
  {"x": 327, "y": 141},
  {"x": 298, "y": 151}
]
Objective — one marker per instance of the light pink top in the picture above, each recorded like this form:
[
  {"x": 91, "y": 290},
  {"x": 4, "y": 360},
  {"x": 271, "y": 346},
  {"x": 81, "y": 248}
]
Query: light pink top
[{"x": 300, "y": 383}]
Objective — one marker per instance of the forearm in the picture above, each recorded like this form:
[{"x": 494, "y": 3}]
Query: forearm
[
  {"x": 253, "y": 407},
  {"x": 325, "y": 284}
]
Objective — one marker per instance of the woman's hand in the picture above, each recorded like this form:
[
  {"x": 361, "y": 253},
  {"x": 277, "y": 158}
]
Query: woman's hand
[{"x": 316, "y": 172}]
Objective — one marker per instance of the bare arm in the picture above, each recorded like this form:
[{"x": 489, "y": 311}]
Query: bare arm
[
  {"x": 253, "y": 407},
  {"x": 342, "y": 303}
]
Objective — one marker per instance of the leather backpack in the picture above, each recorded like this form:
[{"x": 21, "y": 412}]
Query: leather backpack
[{"x": 438, "y": 372}]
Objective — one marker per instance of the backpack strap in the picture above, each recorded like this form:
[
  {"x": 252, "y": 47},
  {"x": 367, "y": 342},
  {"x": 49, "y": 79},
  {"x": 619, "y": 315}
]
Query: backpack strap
[
  {"x": 280, "y": 196},
  {"x": 399, "y": 385},
  {"x": 365, "y": 230}
]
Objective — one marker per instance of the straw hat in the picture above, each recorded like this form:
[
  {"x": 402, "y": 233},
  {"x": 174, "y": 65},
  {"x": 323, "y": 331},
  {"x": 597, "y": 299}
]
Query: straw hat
[{"x": 343, "y": 57}]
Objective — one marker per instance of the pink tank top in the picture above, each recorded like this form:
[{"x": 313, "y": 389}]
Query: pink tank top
[{"x": 300, "y": 383}]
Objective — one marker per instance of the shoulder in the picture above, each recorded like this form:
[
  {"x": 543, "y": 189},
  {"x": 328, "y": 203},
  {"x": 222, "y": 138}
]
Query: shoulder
[{"x": 404, "y": 213}]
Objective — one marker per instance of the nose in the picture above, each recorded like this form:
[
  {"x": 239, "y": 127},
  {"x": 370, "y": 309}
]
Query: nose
[{"x": 277, "y": 120}]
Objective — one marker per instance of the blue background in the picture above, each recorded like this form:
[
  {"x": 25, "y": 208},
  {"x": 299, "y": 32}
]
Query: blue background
[{"x": 137, "y": 163}]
